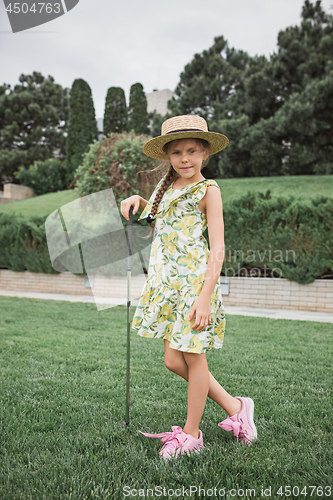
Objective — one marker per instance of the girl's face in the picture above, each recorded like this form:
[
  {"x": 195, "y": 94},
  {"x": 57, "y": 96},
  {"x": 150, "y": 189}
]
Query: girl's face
[{"x": 186, "y": 157}]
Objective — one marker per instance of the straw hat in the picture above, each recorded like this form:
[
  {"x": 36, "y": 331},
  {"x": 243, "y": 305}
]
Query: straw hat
[{"x": 184, "y": 127}]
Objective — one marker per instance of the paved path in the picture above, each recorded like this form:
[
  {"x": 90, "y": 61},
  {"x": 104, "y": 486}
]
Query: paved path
[{"x": 238, "y": 310}]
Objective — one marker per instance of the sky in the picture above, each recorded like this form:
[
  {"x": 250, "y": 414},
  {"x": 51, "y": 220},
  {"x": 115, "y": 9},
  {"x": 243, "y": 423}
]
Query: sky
[{"x": 110, "y": 43}]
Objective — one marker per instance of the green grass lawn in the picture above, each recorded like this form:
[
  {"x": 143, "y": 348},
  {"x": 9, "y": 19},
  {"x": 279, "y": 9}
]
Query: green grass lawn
[
  {"x": 42, "y": 205},
  {"x": 63, "y": 376},
  {"x": 301, "y": 186}
]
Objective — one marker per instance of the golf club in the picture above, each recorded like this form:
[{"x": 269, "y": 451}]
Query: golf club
[{"x": 129, "y": 253}]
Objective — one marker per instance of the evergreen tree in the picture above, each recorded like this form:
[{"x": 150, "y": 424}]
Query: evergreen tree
[
  {"x": 288, "y": 103},
  {"x": 304, "y": 51},
  {"x": 33, "y": 122},
  {"x": 82, "y": 130},
  {"x": 115, "y": 114},
  {"x": 303, "y": 54},
  {"x": 209, "y": 82},
  {"x": 138, "y": 120},
  {"x": 259, "y": 96},
  {"x": 305, "y": 123},
  {"x": 303, "y": 72},
  {"x": 234, "y": 159}
]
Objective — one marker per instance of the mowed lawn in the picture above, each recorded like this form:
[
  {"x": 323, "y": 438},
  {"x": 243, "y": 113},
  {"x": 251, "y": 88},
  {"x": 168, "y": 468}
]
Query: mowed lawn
[
  {"x": 63, "y": 400},
  {"x": 302, "y": 187}
]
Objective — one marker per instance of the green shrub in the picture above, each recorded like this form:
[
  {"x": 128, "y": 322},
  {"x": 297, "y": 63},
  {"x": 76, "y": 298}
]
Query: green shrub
[
  {"x": 23, "y": 244},
  {"x": 280, "y": 233},
  {"x": 117, "y": 162},
  {"x": 44, "y": 177},
  {"x": 283, "y": 234}
]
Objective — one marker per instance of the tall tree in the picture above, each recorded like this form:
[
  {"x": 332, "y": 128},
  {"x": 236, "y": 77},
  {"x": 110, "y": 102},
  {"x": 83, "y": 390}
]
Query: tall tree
[
  {"x": 288, "y": 105},
  {"x": 258, "y": 98},
  {"x": 209, "y": 82},
  {"x": 303, "y": 51},
  {"x": 82, "y": 130},
  {"x": 306, "y": 125},
  {"x": 303, "y": 72},
  {"x": 33, "y": 122},
  {"x": 138, "y": 120},
  {"x": 115, "y": 114}
]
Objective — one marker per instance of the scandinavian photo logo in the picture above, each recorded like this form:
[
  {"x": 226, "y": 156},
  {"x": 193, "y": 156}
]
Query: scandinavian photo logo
[{"x": 27, "y": 14}]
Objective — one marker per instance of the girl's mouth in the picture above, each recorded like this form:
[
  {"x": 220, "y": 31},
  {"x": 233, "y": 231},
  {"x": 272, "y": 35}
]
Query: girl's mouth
[{"x": 186, "y": 168}]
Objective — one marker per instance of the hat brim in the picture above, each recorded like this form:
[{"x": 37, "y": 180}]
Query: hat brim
[{"x": 153, "y": 148}]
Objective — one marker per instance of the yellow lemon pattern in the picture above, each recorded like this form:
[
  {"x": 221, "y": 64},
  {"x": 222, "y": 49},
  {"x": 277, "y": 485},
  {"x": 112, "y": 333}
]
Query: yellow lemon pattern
[{"x": 177, "y": 269}]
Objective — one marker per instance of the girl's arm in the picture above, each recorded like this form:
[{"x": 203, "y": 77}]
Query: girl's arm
[
  {"x": 214, "y": 213},
  {"x": 132, "y": 201},
  {"x": 143, "y": 203}
]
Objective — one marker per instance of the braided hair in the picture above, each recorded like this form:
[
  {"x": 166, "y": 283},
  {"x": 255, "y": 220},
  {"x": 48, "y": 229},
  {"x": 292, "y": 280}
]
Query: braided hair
[
  {"x": 169, "y": 178},
  {"x": 171, "y": 174}
]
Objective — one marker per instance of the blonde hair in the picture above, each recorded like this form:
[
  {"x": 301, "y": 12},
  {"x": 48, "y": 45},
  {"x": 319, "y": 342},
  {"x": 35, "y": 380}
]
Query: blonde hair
[{"x": 171, "y": 175}]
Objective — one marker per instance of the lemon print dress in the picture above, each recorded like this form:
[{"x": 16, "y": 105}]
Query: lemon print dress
[{"x": 177, "y": 268}]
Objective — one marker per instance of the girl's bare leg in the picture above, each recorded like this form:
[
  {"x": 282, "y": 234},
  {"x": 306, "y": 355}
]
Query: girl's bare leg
[
  {"x": 175, "y": 361},
  {"x": 198, "y": 386}
]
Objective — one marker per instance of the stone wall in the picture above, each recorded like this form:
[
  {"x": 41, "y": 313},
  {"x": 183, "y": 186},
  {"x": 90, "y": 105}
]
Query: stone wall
[
  {"x": 15, "y": 192},
  {"x": 269, "y": 293},
  {"x": 280, "y": 293}
]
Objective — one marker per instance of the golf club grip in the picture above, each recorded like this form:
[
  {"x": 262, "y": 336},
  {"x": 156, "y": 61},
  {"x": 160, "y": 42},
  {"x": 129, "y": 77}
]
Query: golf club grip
[{"x": 129, "y": 235}]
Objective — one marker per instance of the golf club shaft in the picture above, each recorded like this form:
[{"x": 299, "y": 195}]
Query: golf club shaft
[{"x": 129, "y": 253}]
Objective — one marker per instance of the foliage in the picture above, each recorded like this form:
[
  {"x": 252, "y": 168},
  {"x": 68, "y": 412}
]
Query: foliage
[
  {"x": 116, "y": 162},
  {"x": 281, "y": 233},
  {"x": 234, "y": 159},
  {"x": 304, "y": 52},
  {"x": 284, "y": 235},
  {"x": 82, "y": 129},
  {"x": 209, "y": 81},
  {"x": 23, "y": 244},
  {"x": 258, "y": 98},
  {"x": 49, "y": 176},
  {"x": 137, "y": 111},
  {"x": 305, "y": 124},
  {"x": 33, "y": 122},
  {"x": 115, "y": 113},
  {"x": 284, "y": 103}
]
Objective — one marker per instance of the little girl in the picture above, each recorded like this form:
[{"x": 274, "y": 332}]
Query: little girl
[{"x": 181, "y": 301}]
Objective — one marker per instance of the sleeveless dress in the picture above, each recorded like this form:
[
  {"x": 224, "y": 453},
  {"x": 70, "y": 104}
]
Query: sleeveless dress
[{"x": 177, "y": 268}]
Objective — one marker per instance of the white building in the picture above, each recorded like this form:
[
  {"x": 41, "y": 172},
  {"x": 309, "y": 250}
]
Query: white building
[{"x": 158, "y": 100}]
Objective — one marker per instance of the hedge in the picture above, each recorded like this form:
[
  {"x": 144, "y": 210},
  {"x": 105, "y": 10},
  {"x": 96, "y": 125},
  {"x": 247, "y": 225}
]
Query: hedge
[{"x": 291, "y": 237}]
